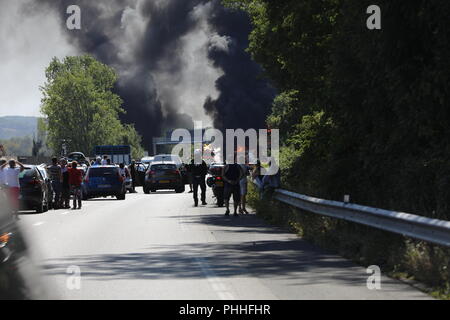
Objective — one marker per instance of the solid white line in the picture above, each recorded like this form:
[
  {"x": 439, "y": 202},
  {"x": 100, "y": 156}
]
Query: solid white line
[{"x": 37, "y": 224}]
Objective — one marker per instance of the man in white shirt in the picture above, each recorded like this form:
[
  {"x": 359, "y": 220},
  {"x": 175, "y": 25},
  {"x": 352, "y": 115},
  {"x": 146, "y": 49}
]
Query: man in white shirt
[{"x": 11, "y": 179}]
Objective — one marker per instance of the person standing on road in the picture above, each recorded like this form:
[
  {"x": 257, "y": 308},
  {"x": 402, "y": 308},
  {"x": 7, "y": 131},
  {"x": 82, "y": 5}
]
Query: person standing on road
[
  {"x": 11, "y": 179},
  {"x": 134, "y": 176},
  {"x": 232, "y": 175},
  {"x": 199, "y": 172},
  {"x": 124, "y": 171},
  {"x": 65, "y": 187},
  {"x": 55, "y": 173},
  {"x": 243, "y": 184},
  {"x": 189, "y": 176},
  {"x": 75, "y": 180}
]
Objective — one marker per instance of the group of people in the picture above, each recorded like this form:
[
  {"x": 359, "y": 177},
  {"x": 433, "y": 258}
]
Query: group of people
[
  {"x": 66, "y": 179},
  {"x": 235, "y": 177}
]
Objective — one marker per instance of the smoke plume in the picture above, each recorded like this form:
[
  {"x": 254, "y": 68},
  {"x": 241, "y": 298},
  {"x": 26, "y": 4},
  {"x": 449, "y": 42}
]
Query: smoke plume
[{"x": 177, "y": 60}]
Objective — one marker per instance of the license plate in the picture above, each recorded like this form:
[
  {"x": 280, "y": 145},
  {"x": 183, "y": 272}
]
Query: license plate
[
  {"x": 104, "y": 186},
  {"x": 164, "y": 181}
]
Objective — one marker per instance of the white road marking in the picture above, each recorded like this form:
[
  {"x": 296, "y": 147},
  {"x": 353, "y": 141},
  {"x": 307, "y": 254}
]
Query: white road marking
[
  {"x": 214, "y": 281},
  {"x": 37, "y": 224}
]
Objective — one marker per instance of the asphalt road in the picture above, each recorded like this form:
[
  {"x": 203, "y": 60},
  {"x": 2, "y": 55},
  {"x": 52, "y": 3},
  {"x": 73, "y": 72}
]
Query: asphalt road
[{"x": 159, "y": 246}]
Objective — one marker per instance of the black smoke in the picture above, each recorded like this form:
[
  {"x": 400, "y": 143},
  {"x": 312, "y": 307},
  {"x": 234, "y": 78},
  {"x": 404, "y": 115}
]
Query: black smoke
[{"x": 244, "y": 98}]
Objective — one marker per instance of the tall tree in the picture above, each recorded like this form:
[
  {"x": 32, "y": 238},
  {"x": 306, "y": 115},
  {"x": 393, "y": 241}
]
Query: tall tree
[{"x": 80, "y": 106}]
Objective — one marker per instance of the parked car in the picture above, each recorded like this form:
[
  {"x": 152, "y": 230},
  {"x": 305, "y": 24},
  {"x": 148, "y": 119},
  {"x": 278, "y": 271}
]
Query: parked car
[
  {"x": 215, "y": 181},
  {"x": 169, "y": 158},
  {"x": 163, "y": 176},
  {"x": 79, "y": 157},
  {"x": 42, "y": 169},
  {"x": 34, "y": 191},
  {"x": 102, "y": 181},
  {"x": 147, "y": 161}
]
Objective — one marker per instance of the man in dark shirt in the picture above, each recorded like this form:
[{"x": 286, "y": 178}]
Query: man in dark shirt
[
  {"x": 199, "y": 172},
  {"x": 65, "y": 192},
  {"x": 232, "y": 174},
  {"x": 134, "y": 175},
  {"x": 55, "y": 173}
]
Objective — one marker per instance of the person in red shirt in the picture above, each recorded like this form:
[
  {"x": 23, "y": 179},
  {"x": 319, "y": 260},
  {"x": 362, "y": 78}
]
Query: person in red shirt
[{"x": 75, "y": 179}]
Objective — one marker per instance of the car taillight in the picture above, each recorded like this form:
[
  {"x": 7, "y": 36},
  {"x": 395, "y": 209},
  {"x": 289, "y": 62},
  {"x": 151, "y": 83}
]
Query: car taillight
[
  {"x": 35, "y": 182},
  {"x": 176, "y": 171},
  {"x": 219, "y": 178}
]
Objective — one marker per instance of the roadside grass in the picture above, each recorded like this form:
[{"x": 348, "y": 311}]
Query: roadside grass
[{"x": 423, "y": 265}]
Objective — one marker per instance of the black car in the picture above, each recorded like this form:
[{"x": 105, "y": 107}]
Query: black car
[
  {"x": 34, "y": 191},
  {"x": 163, "y": 176}
]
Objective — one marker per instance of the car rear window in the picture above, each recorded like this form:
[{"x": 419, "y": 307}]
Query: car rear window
[
  {"x": 175, "y": 159},
  {"x": 162, "y": 167},
  {"x": 27, "y": 174},
  {"x": 102, "y": 172}
]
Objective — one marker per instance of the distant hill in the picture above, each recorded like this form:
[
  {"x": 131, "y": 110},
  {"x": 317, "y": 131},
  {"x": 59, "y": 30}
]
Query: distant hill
[{"x": 17, "y": 127}]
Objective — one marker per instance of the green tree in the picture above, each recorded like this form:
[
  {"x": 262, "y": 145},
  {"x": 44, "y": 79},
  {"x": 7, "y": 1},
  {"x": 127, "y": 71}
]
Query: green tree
[{"x": 81, "y": 108}]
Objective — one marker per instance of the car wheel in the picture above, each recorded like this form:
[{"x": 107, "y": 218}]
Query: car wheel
[
  {"x": 121, "y": 196},
  {"x": 40, "y": 208},
  {"x": 153, "y": 190},
  {"x": 146, "y": 190}
]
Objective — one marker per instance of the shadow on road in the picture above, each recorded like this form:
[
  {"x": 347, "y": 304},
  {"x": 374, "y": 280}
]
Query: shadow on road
[{"x": 294, "y": 259}]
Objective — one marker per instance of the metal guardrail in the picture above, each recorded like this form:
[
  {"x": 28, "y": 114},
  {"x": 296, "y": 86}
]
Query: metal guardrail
[{"x": 417, "y": 227}]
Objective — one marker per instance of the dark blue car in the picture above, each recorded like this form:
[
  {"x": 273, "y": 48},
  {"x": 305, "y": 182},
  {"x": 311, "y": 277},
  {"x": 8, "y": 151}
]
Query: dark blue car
[{"x": 102, "y": 181}]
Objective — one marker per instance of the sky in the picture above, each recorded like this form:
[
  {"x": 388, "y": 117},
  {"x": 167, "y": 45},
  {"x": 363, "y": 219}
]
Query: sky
[{"x": 29, "y": 39}]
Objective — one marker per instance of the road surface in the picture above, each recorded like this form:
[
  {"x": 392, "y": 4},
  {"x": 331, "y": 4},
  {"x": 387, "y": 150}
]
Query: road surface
[{"x": 159, "y": 246}]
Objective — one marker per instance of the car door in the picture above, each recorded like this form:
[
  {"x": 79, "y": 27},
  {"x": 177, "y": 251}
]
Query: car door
[{"x": 44, "y": 184}]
